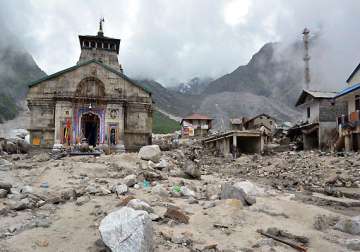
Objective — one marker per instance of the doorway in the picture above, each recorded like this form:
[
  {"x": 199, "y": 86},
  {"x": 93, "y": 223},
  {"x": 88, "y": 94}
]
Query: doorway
[{"x": 90, "y": 124}]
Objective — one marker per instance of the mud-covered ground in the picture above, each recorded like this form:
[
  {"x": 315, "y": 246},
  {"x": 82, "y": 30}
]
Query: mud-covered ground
[{"x": 57, "y": 205}]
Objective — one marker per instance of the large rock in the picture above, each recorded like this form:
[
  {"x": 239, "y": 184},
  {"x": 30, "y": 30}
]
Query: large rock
[
  {"x": 228, "y": 191},
  {"x": 140, "y": 205},
  {"x": 130, "y": 180},
  {"x": 10, "y": 147},
  {"x": 150, "y": 152},
  {"x": 5, "y": 165},
  {"x": 351, "y": 226},
  {"x": 249, "y": 188},
  {"x": 120, "y": 189},
  {"x": 23, "y": 146},
  {"x": 5, "y": 186},
  {"x": 127, "y": 230},
  {"x": 192, "y": 169}
]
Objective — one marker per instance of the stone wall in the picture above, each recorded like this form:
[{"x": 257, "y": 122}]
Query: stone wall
[{"x": 125, "y": 107}]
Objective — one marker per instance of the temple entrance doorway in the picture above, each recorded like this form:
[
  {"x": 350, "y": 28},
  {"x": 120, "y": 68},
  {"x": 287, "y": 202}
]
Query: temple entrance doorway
[{"x": 90, "y": 124}]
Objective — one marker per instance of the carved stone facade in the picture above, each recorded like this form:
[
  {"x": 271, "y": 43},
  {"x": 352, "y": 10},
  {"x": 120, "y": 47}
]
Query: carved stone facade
[{"x": 92, "y": 100}]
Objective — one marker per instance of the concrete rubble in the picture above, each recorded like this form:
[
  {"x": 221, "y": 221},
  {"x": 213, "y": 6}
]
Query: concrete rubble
[{"x": 179, "y": 198}]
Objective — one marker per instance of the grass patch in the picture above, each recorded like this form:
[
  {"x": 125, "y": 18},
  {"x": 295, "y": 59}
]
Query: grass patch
[{"x": 162, "y": 124}]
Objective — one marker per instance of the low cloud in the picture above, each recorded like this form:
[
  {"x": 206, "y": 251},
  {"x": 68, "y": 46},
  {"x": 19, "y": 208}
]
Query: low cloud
[{"x": 173, "y": 41}]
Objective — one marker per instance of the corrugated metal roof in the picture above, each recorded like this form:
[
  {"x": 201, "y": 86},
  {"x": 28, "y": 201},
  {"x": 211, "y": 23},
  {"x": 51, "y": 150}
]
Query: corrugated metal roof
[
  {"x": 348, "y": 90},
  {"x": 196, "y": 116},
  {"x": 315, "y": 94}
]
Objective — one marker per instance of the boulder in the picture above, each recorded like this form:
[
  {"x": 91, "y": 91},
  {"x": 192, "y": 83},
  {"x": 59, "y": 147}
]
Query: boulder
[
  {"x": 150, "y": 152},
  {"x": 120, "y": 189},
  {"x": 248, "y": 187},
  {"x": 127, "y": 230},
  {"x": 177, "y": 215},
  {"x": 228, "y": 191},
  {"x": 350, "y": 226},
  {"x": 42, "y": 157},
  {"x": 5, "y": 165},
  {"x": 23, "y": 146},
  {"x": 5, "y": 186},
  {"x": 130, "y": 180},
  {"x": 187, "y": 192},
  {"x": 161, "y": 165},
  {"x": 137, "y": 204},
  {"x": 192, "y": 169},
  {"x": 353, "y": 244},
  {"x": 9, "y": 147},
  {"x": 3, "y": 193},
  {"x": 160, "y": 190}
]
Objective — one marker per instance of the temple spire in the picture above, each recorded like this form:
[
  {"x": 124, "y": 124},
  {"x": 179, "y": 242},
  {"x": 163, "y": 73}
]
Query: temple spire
[{"x": 101, "y": 32}]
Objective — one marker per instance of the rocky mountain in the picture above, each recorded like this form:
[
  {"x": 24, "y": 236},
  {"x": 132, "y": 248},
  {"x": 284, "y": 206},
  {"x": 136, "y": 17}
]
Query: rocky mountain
[
  {"x": 169, "y": 100},
  {"x": 270, "y": 83},
  {"x": 17, "y": 69},
  {"x": 195, "y": 86}
]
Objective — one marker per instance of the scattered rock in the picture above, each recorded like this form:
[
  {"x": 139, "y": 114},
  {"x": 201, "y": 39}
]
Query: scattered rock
[
  {"x": 126, "y": 200},
  {"x": 3, "y": 193},
  {"x": 82, "y": 200},
  {"x": 5, "y": 186},
  {"x": 127, "y": 230},
  {"x": 353, "y": 244},
  {"x": 5, "y": 165},
  {"x": 323, "y": 222},
  {"x": 42, "y": 157},
  {"x": 161, "y": 165},
  {"x": 187, "y": 192},
  {"x": 177, "y": 215},
  {"x": 140, "y": 205},
  {"x": 160, "y": 190},
  {"x": 192, "y": 169},
  {"x": 18, "y": 205},
  {"x": 229, "y": 191},
  {"x": 120, "y": 189},
  {"x": 130, "y": 180},
  {"x": 351, "y": 226},
  {"x": 150, "y": 152}
]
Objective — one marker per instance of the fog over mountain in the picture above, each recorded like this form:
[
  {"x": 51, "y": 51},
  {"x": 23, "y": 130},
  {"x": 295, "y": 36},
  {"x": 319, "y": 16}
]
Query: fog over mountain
[
  {"x": 206, "y": 56},
  {"x": 174, "y": 41}
]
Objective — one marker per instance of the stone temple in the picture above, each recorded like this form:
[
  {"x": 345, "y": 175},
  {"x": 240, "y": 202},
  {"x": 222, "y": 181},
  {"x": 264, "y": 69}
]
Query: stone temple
[{"x": 92, "y": 100}]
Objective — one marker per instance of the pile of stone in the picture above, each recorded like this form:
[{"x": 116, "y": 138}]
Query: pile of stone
[
  {"x": 294, "y": 170},
  {"x": 14, "y": 146}
]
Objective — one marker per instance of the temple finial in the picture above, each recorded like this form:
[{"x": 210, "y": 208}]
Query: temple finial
[{"x": 100, "y": 32}]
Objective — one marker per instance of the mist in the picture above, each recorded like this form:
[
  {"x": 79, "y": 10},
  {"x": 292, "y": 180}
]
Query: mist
[{"x": 172, "y": 42}]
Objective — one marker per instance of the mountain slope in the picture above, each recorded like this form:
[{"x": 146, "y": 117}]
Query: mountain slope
[
  {"x": 171, "y": 101},
  {"x": 274, "y": 72},
  {"x": 17, "y": 69}
]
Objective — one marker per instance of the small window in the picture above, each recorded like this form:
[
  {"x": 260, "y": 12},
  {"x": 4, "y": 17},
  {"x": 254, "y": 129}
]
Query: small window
[
  {"x": 270, "y": 122},
  {"x": 357, "y": 102},
  {"x": 308, "y": 112}
]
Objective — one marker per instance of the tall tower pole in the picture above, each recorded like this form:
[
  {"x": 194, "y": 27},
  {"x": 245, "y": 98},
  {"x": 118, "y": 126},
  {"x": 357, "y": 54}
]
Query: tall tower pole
[{"x": 306, "y": 57}]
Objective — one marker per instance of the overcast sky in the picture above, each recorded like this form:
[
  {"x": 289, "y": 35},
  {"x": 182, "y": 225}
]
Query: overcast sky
[{"x": 173, "y": 41}]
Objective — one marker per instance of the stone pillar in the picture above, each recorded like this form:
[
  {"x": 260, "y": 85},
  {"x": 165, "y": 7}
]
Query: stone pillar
[
  {"x": 348, "y": 143},
  {"x": 234, "y": 146}
]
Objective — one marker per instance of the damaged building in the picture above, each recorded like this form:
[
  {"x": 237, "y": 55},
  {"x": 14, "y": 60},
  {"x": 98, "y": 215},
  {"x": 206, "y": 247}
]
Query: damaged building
[
  {"x": 318, "y": 127},
  {"x": 196, "y": 125},
  {"x": 236, "y": 142},
  {"x": 93, "y": 100},
  {"x": 349, "y": 122}
]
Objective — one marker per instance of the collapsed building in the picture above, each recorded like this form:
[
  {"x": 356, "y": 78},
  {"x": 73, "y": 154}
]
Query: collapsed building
[
  {"x": 235, "y": 142},
  {"x": 93, "y": 100},
  {"x": 318, "y": 127}
]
